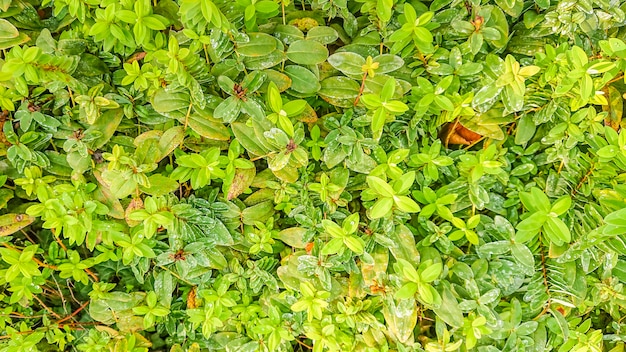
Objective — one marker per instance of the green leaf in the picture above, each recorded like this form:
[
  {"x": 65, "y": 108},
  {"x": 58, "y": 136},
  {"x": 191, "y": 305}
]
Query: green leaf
[
  {"x": 512, "y": 99},
  {"x": 333, "y": 246},
  {"x": 557, "y": 231},
  {"x": 247, "y": 138},
  {"x": 383, "y": 9},
  {"x": 486, "y": 95},
  {"x": 388, "y": 63},
  {"x": 431, "y": 273},
  {"x": 523, "y": 255},
  {"x": 616, "y": 218},
  {"x": 7, "y": 30},
  {"x": 406, "y": 204},
  {"x": 258, "y": 45},
  {"x": 535, "y": 200},
  {"x": 562, "y": 205},
  {"x": 303, "y": 80},
  {"x": 586, "y": 87},
  {"x": 307, "y": 52},
  {"x": 381, "y": 208},
  {"x": 347, "y": 62},
  {"x": 449, "y": 310},
  {"x": 407, "y": 291},
  {"x": 228, "y": 110},
  {"x": 533, "y": 222},
  {"x": 381, "y": 187},
  {"x": 427, "y": 294},
  {"x": 293, "y": 236},
  {"x": 322, "y": 34},
  {"x": 351, "y": 223},
  {"x": 170, "y": 104},
  {"x": 355, "y": 244},
  {"x": 10, "y": 36},
  {"x": 444, "y": 103},
  {"x": 170, "y": 140},
  {"x": 259, "y": 212},
  {"x": 339, "y": 91},
  {"x": 105, "y": 127},
  {"x": 378, "y": 120},
  {"x": 525, "y": 129},
  {"x": 11, "y": 223},
  {"x": 608, "y": 152},
  {"x": 160, "y": 185}
]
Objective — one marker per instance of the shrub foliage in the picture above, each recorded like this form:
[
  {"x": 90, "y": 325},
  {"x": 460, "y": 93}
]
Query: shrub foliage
[{"x": 348, "y": 175}]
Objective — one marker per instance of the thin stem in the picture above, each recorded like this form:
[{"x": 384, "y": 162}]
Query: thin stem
[
  {"x": 71, "y": 96},
  {"x": 46, "y": 307},
  {"x": 187, "y": 115},
  {"x": 206, "y": 54},
  {"x": 450, "y": 131},
  {"x": 73, "y": 313},
  {"x": 262, "y": 156},
  {"x": 361, "y": 89},
  {"x": 27, "y": 236},
  {"x": 615, "y": 79},
  {"x": 175, "y": 275},
  {"x": 283, "y": 7},
  {"x": 582, "y": 181},
  {"x": 60, "y": 243},
  {"x": 90, "y": 273},
  {"x": 60, "y": 293},
  {"x": 304, "y": 344},
  {"x": 544, "y": 272},
  {"x": 474, "y": 143}
]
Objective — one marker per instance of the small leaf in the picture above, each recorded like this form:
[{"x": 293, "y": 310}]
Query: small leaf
[
  {"x": 242, "y": 180},
  {"x": 322, "y": 34},
  {"x": 380, "y": 186},
  {"x": 557, "y": 231},
  {"x": 307, "y": 52},
  {"x": 381, "y": 208},
  {"x": 11, "y": 223},
  {"x": 347, "y": 62},
  {"x": 303, "y": 80},
  {"x": 339, "y": 91},
  {"x": 523, "y": 255},
  {"x": 258, "y": 45}
]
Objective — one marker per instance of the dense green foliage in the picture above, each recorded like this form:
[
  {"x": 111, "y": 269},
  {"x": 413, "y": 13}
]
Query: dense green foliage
[{"x": 347, "y": 175}]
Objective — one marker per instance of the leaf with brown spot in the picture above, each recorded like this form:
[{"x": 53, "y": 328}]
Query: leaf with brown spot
[
  {"x": 293, "y": 237},
  {"x": 104, "y": 195},
  {"x": 242, "y": 180},
  {"x": 374, "y": 272},
  {"x": 615, "y": 108},
  {"x": 11, "y": 223},
  {"x": 308, "y": 116},
  {"x": 135, "y": 204}
]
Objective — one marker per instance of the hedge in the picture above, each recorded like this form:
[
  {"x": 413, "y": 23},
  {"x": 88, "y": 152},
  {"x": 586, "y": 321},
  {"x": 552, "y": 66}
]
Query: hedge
[{"x": 325, "y": 175}]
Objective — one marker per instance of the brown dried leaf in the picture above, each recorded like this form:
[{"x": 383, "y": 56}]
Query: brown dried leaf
[
  {"x": 459, "y": 135},
  {"x": 136, "y": 57},
  {"x": 135, "y": 204},
  {"x": 191, "y": 298}
]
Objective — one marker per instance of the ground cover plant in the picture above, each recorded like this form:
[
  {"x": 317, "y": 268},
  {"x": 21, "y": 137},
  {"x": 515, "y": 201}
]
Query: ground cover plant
[{"x": 326, "y": 175}]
